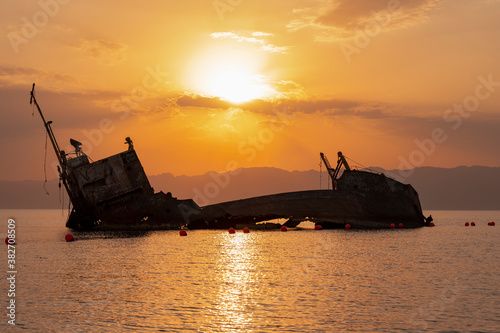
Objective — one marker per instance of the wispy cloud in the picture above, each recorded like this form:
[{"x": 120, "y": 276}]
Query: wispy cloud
[
  {"x": 202, "y": 102},
  {"x": 106, "y": 51},
  {"x": 343, "y": 19},
  {"x": 14, "y": 75},
  {"x": 252, "y": 38},
  {"x": 323, "y": 107}
]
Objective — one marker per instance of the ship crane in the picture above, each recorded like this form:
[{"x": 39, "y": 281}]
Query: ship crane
[
  {"x": 334, "y": 172},
  {"x": 66, "y": 178}
]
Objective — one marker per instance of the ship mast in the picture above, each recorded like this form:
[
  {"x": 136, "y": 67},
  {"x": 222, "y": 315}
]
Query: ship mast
[
  {"x": 47, "y": 126},
  {"x": 61, "y": 156}
]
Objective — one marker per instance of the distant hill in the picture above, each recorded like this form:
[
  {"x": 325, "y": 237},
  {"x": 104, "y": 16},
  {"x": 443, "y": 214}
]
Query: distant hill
[
  {"x": 243, "y": 183},
  {"x": 461, "y": 188}
]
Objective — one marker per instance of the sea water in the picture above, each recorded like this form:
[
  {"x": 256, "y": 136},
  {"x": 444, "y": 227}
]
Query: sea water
[{"x": 436, "y": 279}]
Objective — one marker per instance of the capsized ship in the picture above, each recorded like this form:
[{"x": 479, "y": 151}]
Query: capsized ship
[
  {"x": 361, "y": 199},
  {"x": 114, "y": 193}
]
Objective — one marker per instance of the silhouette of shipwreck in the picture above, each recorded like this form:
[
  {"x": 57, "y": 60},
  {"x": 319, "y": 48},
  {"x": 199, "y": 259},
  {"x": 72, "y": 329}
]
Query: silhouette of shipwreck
[{"x": 114, "y": 193}]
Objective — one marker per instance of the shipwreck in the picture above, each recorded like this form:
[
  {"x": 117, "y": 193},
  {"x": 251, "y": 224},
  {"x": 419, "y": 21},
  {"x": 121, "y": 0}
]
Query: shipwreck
[{"x": 114, "y": 193}]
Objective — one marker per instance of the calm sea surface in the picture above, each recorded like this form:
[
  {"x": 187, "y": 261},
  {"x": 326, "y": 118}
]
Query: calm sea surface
[{"x": 441, "y": 279}]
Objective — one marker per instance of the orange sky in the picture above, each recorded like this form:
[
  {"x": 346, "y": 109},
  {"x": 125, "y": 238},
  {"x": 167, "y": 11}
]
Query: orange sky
[{"x": 210, "y": 85}]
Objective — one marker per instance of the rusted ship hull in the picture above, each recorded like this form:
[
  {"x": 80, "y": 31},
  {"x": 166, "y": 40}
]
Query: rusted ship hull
[
  {"x": 363, "y": 200},
  {"x": 114, "y": 193},
  {"x": 159, "y": 212}
]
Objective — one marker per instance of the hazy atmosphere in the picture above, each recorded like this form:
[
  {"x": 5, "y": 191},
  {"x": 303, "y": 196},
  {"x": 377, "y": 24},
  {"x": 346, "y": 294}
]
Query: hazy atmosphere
[
  {"x": 250, "y": 166},
  {"x": 217, "y": 85}
]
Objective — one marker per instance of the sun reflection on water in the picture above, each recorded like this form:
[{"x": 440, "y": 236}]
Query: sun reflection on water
[{"x": 237, "y": 276}]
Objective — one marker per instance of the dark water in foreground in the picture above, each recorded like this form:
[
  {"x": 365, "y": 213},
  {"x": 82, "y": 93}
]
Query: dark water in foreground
[{"x": 441, "y": 279}]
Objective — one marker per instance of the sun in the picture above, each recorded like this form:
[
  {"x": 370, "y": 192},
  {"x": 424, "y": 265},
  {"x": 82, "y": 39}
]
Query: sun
[
  {"x": 232, "y": 75},
  {"x": 236, "y": 85}
]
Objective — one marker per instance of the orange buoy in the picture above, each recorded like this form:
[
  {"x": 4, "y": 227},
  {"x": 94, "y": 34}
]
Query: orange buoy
[
  {"x": 9, "y": 243},
  {"x": 69, "y": 238},
  {"x": 491, "y": 224},
  {"x": 400, "y": 225},
  {"x": 284, "y": 228},
  {"x": 318, "y": 227},
  {"x": 392, "y": 226},
  {"x": 466, "y": 224},
  {"x": 183, "y": 233},
  {"x": 472, "y": 224},
  {"x": 431, "y": 224},
  {"x": 231, "y": 230},
  {"x": 347, "y": 226},
  {"x": 246, "y": 230}
]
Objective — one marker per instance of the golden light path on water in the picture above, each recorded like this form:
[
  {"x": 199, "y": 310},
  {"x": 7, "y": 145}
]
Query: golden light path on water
[{"x": 237, "y": 276}]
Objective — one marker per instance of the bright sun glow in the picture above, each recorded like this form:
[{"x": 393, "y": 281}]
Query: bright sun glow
[
  {"x": 231, "y": 74},
  {"x": 236, "y": 85}
]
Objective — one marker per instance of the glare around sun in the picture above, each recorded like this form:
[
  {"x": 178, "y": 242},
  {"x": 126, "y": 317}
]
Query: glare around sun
[{"x": 230, "y": 75}]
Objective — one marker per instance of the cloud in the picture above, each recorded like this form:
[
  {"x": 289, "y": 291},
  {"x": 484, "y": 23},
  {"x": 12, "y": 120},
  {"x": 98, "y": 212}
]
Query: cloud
[
  {"x": 15, "y": 75},
  {"x": 343, "y": 19},
  {"x": 322, "y": 107},
  {"x": 106, "y": 51},
  {"x": 263, "y": 34},
  {"x": 264, "y": 45},
  {"x": 335, "y": 108},
  {"x": 288, "y": 89},
  {"x": 202, "y": 102}
]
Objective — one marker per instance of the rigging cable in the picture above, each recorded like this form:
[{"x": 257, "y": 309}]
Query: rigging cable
[
  {"x": 45, "y": 164},
  {"x": 320, "y": 163},
  {"x": 357, "y": 163},
  {"x": 62, "y": 206},
  {"x": 32, "y": 104},
  {"x": 61, "y": 192}
]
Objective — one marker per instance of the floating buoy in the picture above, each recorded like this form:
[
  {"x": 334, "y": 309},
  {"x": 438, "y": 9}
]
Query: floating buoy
[
  {"x": 466, "y": 224},
  {"x": 7, "y": 241},
  {"x": 183, "y": 233},
  {"x": 400, "y": 225},
  {"x": 491, "y": 224},
  {"x": 392, "y": 226},
  {"x": 472, "y": 224},
  {"x": 318, "y": 227},
  {"x": 69, "y": 238},
  {"x": 431, "y": 224},
  {"x": 347, "y": 226},
  {"x": 284, "y": 228},
  {"x": 231, "y": 230},
  {"x": 246, "y": 230}
]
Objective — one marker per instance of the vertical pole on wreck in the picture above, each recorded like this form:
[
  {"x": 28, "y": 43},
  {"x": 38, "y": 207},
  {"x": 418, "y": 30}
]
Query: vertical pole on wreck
[
  {"x": 59, "y": 154},
  {"x": 47, "y": 126}
]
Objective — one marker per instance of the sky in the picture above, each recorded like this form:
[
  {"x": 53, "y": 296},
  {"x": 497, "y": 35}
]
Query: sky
[{"x": 216, "y": 85}]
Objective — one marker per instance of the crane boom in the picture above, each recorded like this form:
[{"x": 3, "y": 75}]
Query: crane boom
[
  {"x": 60, "y": 154},
  {"x": 47, "y": 127},
  {"x": 334, "y": 172},
  {"x": 331, "y": 171}
]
